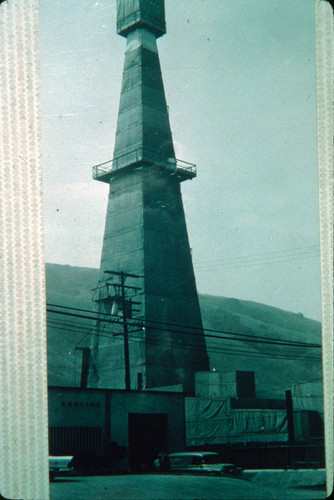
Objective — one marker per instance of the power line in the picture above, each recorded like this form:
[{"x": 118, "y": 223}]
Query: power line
[
  {"x": 106, "y": 319},
  {"x": 287, "y": 250},
  {"x": 65, "y": 325},
  {"x": 282, "y": 251},
  {"x": 292, "y": 385},
  {"x": 214, "y": 349},
  {"x": 257, "y": 263},
  {"x": 239, "y": 351},
  {"x": 245, "y": 337},
  {"x": 194, "y": 347},
  {"x": 72, "y": 327}
]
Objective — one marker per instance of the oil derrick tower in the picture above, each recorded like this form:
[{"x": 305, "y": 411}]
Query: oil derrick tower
[{"x": 145, "y": 240}]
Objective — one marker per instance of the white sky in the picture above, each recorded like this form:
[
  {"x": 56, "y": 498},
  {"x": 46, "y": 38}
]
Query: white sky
[{"x": 240, "y": 84}]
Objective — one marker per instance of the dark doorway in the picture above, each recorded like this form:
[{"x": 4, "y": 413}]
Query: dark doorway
[{"x": 148, "y": 436}]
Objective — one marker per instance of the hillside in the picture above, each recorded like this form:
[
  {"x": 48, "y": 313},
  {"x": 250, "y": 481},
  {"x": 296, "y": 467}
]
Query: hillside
[{"x": 276, "y": 367}]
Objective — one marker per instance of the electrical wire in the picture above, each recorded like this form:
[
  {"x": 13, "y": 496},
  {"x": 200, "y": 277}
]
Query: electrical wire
[
  {"x": 214, "y": 349},
  {"x": 282, "y": 251},
  {"x": 245, "y": 264},
  {"x": 255, "y": 260},
  {"x": 245, "y": 337},
  {"x": 288, "y": 250},
  {"x": 286, "y": 343},
  {"x": 85, "y": 330},
  {"x": 293, "y": 384},
  {"x": 211, "y": 349}
]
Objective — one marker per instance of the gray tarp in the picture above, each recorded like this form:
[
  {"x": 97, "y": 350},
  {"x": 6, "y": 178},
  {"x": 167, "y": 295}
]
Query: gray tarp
[
  {"x": 210, "y": 421},
  {"x": 308, "y": 396}
]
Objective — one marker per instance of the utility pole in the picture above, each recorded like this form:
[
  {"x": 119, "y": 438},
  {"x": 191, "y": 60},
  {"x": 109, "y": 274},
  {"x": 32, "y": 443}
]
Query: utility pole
[
  {"x": 126, "y": 308},
  {"x": 289, "y": 412},
  {"x": 84, "y": 365}
]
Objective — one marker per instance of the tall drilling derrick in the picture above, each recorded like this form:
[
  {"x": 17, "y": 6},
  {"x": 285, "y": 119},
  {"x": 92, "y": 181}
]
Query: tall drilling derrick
[{"x": 145, "y": 241}]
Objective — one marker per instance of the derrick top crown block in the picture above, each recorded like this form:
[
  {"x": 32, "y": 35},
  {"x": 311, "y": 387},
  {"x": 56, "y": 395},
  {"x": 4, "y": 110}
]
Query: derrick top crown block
[{"x": 148, "y": 14}]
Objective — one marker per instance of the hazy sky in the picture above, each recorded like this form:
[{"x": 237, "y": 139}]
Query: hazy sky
[{"x": 240, "y": 84}]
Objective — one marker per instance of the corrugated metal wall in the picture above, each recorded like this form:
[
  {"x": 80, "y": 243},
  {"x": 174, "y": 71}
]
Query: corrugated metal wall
[{"x": 70, "y": 440}]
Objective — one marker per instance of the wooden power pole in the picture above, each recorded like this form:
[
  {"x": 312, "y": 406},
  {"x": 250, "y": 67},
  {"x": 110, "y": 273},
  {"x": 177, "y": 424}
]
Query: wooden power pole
[{"x": 127, "y": 312}]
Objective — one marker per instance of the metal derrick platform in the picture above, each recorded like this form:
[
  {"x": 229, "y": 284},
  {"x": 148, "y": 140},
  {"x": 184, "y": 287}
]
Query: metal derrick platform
[{"x": 104, "y": 171}]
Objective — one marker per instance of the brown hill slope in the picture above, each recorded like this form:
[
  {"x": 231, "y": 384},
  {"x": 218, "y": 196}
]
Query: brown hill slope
[{"x": 277, "y": 367}]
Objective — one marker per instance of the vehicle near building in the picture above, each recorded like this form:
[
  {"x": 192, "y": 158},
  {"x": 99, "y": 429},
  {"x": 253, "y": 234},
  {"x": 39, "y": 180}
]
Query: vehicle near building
[
  {"x": 58, "y": 465},
  {"x": 197, "y": 462}
]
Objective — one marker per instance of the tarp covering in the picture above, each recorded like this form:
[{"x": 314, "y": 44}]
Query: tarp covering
[
  {"x": 258, "y": 404},
  {"x": 211, "y": 421},
  {"x": 308, "y": 396}
]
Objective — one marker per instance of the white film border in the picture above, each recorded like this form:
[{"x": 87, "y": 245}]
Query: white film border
[
  {"x": 325, "y": 60},
  {"x": 23, "y": 387}
]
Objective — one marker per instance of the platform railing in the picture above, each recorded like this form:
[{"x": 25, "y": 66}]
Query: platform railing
[{"x": 173, "y": 165}]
